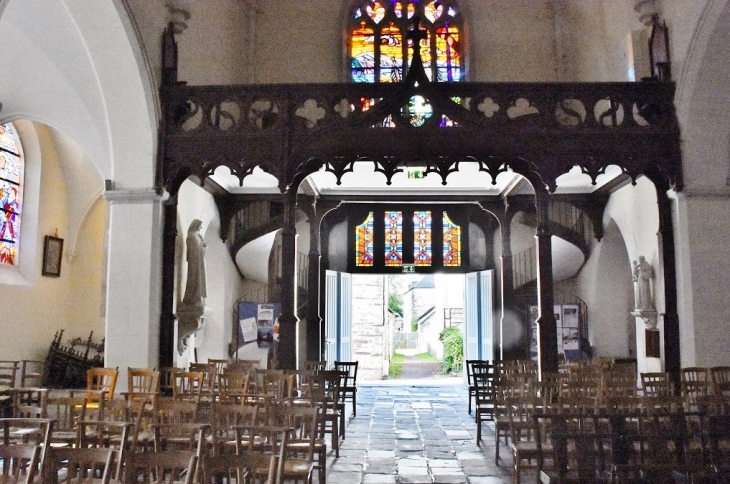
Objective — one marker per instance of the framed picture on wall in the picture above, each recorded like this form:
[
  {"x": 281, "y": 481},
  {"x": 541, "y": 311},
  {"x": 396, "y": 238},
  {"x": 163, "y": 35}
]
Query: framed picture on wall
[{"x": 52, "y": 252}]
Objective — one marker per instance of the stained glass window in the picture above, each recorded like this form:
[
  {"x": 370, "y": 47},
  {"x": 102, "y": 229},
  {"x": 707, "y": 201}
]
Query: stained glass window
[
  {"x": 11, "y": 193},
  {"x": 364, "y": 242},
  {"x": 393, "y": 238},
  {"x": 377, "y": 29},
  {"x": 452, "y": 243},
  {"x": 422, "y": 238}
]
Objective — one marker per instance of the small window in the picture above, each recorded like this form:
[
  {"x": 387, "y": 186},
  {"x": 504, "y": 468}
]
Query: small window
[
  {"x": 393, "y": 238},
  {"x": 452, "y": 243},
  {"x": 11, "y": 193},
  {"x": 422, "y": 255},
  {"x": 364, "y": 243},
  {"x": 379, "y": 52}
]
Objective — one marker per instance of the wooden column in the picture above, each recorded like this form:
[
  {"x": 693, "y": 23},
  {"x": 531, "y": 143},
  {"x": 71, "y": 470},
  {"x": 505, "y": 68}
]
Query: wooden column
[
  {"x": 547, "y": 326},
  {"x": 672, "y": 359},
  {"x": 167, "y": 316},
  {"x": 315, "y": 350},
  {"x": 508, "y": 284},
  {"x": 287, "y": 350}
]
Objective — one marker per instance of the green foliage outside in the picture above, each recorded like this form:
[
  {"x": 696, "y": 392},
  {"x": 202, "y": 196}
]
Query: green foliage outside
[
  {"x": 395, "y": 303},
  {"x": 395, "y": 366},
  {"x": 414, "y": 325},
  {"x": 453, "y": 349}
]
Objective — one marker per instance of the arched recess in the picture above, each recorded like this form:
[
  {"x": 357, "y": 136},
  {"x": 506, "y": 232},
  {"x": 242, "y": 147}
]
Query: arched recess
[{"x": 61, "y": 64}]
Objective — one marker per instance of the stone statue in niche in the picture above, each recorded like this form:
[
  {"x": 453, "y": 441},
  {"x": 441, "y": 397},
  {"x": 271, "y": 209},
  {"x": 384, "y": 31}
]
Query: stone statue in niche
[
  {"x": 643, "y": 275},
  {"x": 192, "y": 307}
]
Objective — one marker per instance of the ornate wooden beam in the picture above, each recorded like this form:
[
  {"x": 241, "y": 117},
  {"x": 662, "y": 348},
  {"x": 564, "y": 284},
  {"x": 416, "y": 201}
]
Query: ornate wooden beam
[{"x": 552, "y": 127}]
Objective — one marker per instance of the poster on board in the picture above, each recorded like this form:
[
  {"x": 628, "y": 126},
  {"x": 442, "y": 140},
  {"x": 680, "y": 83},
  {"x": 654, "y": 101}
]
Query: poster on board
[{"x": 258, "y": 323}]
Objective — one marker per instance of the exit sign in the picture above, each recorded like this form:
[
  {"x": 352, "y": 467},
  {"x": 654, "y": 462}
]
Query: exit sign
[
  {"x": 408, "y": 268},
  {"x": 416, "y": 173}
]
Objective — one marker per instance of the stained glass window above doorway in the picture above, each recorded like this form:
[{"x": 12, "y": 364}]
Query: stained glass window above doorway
[
  {"x": 364, "y": 242},
  {"x": 379, "y": 52},
  {"x": 11, "y": 193}
]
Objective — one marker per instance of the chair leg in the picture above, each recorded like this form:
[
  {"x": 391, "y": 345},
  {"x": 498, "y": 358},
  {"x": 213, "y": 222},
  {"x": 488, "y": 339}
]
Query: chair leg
[
  {"x": 496, "y": 446},
  {"x": 479, "y": 429},
  {"x": 469, "y": 394},
  {"x": 354, "y": 404},
  {"x": 323, "y": 468}
]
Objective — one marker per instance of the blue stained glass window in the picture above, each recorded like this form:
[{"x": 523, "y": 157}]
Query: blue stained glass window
[{"x": 393, "y": 238}]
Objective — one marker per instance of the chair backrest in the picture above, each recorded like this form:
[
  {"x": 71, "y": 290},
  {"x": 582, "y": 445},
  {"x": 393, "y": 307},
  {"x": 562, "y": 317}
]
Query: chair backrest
[
  {"x": 101, "y": 380},
  {"x": 351, "y": 368},
  {"x": 315, "y": 365},
  {"x": 656, "y": 384},
  {"x": 220, "y": 364},
  {"x": 210, "y": 378},
  {"x": 180, "y": 436},
  {"x": 187, "y": 385},
  {"x": 695, "y": 374},
  {"x": 277, "y": 384},
  {"x": 21, "y": 463},
  {"x": 8, "y": 371},
  {"x": 230, "y": 468},
  {"x": 80, "y": 465},
  {"x": 174, "y": 465},
  {"x": 143, "y": 381},
  {"x": 166, "y": 380},
  {"x": 226, "y": 416},
  {"x": 31, "y": 373},
  {"x": 232, "y": 386}
]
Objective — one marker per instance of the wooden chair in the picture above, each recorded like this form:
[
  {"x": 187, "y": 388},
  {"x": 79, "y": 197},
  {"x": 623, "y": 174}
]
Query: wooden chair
[
  {"x": 277, "y": 385},
  {"x": 187, "y": 385},
  {"x": 267, "y": 440},
  {"x": 20, "y": 464},
  {"x": 8, "y": 372},
  {"x": 315, "y": 365},
  {"x": 142, "y": 384},
  {"x": 166, "y": 380},
  {"x": 31, "y": 373},
  {"x": 656, "y": 383},
  {"x": 67, "y": 411},
  {"x": 100, "y": 384},
  {"x": 525, "y": 452},
  {"x": 325, "y": 395},
  {"x": 484, "y": 397},
  {"x": 720, "y": 376},
  {"x": 348, "y": 391},
  {"x": 25, "y": 436},
  {"x": 231, "y": 468},
  {"x": 153, "y": 467},
  {"x": 470, "y": 381},
  {"x": 232, "y": 386},
  {"x": 210, "y": 379},
  {"x": 74, "y": 465},
  {"x": 114, "y": 429},
  {"x": 225, "y": 417},
  {"x": 302, "y": 422}
]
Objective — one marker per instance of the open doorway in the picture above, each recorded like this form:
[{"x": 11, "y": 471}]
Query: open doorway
[{"x": 408, "y": 326}]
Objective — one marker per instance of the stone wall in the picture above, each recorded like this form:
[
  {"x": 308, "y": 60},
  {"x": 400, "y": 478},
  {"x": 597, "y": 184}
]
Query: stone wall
[{"x": 368, "y": 325}]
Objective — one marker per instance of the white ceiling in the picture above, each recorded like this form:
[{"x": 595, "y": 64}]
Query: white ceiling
[{"x": 364, "y": 180}]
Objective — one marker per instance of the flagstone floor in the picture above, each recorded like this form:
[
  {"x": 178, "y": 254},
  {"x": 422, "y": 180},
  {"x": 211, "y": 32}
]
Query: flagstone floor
[{"x": 417, "y": 435}]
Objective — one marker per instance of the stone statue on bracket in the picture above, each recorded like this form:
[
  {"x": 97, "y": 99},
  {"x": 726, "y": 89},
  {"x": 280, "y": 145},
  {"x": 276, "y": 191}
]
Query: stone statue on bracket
[
  {"x": 643, "y": 275},
  {"x": 192, "y": 307},
  {"x": 644, "y": 301}
]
